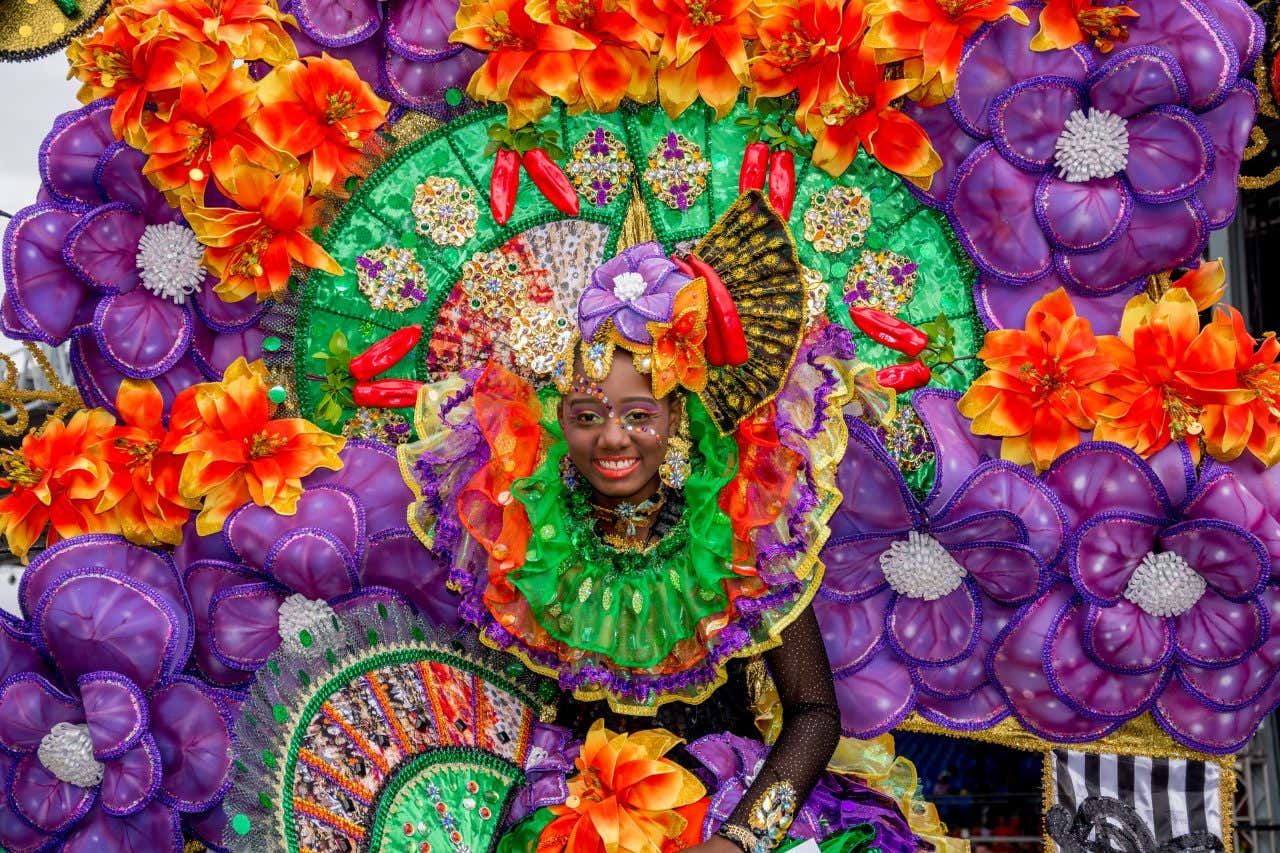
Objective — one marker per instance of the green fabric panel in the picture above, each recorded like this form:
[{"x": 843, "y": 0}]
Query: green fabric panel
[
  {"x": 523, "y": 837},
  {"x": 647, "y": 129},
  {"x": 576, "y": 128},
  {"x": 858, "y": 838}
]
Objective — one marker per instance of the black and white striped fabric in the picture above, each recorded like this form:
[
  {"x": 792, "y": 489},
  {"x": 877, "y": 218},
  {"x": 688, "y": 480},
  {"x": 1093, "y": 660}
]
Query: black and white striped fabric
[{"x": 1174, "y": 797}]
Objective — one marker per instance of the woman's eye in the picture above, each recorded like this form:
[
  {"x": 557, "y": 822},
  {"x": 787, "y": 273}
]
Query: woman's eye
[
  {"x": 638, "y": 418},
  {"x": 587, "y": 418}
]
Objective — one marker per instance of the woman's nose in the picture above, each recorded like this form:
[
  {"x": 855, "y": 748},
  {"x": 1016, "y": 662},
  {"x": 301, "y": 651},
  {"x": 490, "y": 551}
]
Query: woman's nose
[{"x": 614, "y": 435}]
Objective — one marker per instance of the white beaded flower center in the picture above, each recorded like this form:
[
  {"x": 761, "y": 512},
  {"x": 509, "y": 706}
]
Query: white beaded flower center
[
  {"x": 628, "y": 286},
  {"x": 919, "y": 567},
  {"x": 299, "y": 613},
  {"x": 1094, "y": 144},
  {"x": 1164, "y": 585},
  {"x": 169, "y": 261},
  {"x": 67, "y": 752}
]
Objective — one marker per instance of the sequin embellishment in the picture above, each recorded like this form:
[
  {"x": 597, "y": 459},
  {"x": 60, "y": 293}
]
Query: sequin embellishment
[
  {"x": 377, "y": 425},
  {"x": 772, "y": 814},
  {"x": 391, "y": 279},
  {"x": 837, "y": 219},
  {"x": 677, "y": 172},
  {"x": 599, "y": 167},
  {"x": 906, "y": 440},
  {"x": 884, "y": 280},
  {"x": 539, "y": 339},
  {"x": 445, "y": 211}
]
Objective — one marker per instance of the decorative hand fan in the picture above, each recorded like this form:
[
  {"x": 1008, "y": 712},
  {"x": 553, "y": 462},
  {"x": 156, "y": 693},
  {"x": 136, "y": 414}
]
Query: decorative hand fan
[{"x": 387, "y": 738}]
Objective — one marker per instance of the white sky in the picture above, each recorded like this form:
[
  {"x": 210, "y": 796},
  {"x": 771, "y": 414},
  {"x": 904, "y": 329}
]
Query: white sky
[{"x": 31, "y": 95}]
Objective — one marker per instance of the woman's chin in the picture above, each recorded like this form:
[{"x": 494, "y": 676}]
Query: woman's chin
[{"x": 619, "y": 488}]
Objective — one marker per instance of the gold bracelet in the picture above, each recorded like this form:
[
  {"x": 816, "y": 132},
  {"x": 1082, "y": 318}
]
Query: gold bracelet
[{"x": 741, "y": 836}]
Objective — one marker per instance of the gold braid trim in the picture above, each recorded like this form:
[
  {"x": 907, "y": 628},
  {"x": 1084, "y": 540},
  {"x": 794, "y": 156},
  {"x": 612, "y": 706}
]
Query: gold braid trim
[{"x": 66, "y": 397}]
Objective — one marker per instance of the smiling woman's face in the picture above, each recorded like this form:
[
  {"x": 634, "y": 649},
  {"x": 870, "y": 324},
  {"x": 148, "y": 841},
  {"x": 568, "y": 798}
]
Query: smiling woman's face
[{"x": 617, "y": 431}]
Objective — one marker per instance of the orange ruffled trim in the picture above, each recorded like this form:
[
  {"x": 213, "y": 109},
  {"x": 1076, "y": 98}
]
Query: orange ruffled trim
[{"x": 766, "y": 472}]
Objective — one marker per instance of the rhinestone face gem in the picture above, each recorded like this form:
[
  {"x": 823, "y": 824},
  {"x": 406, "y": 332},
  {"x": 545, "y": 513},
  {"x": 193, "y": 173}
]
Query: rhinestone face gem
[
  {"x": 1164, "y": 584},
  {"x": 67, "y": 752},
  {"x": 599, "y": 168},
  {"x": 391, "y": 279},
  {"x": 919, "y": 567},
  {"x": 169, "y": 261},
  {"x": 1093, "y": 144},
  {"x": 445, "y": 211},
  {"x": 838, "y": 219},
  {"x": 677, "y": 171},
  {"x": 883, "y": 280}
]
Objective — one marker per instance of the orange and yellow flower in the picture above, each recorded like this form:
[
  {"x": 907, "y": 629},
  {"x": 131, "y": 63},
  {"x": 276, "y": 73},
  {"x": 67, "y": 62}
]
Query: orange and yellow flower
[
  {"x": 801, "y": 46},
  {"x": 626, "y": 797},
  {"x": 1206, "y": 283},
  {"x": 1253, "y": 423},
  {"x": 251, "y": 249},
  {"x": 319, "y": 109},
  {"x": 236, "y": 453},
  {"x": 248, "y": 29},
  {"x": 703, "y": 52},
  {"x": 856, "y": 110},
  {"x": 57, "y": 478},
  {"x": 1041, "y": 385},
  {"x": 1066, "y": 23},
  {"x": 1168, "y": 371},
  {"x": 143, "y": 493},
  {"x": 678, "y": 354},
  {"x": 929, "y": 36}
]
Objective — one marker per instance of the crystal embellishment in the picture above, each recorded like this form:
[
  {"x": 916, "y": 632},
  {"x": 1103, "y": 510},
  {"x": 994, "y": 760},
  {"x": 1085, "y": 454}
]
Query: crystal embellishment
[
  {"x": 882, "y": 280},
  {"x": 677, "y": 171},
  {"x": 539, "y": 339},
  {"x": 169, "y": 261},
  {"x": 919, "y": 567},
  {"x": 1093, "y": 144},
  {"x": 67, "y": 752},
  {"x": 1164, "y": 584},
  {"x": 445, "y": 211},
  {"x": 599, "y": 167},
  {"x": 838, "y": 219},
  {"x": 299, "y": 613},
  {"x": 391, "y": 279}
]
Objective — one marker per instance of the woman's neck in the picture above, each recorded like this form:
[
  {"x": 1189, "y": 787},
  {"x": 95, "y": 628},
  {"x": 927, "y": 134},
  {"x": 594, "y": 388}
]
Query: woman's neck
[{"x": 647, "y": 491}]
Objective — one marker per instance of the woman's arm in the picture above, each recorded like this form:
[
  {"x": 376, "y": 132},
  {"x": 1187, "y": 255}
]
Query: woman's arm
[{"x": 810, "y": 732}]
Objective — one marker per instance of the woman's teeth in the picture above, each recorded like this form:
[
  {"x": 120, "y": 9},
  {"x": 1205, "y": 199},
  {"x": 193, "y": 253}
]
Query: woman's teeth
[{"x": 616, "y": 464}]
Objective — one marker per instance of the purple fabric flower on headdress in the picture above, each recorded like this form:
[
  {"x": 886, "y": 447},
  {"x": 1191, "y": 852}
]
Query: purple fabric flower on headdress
[
  {"x": 103, "y": 259},
  {"x": 1073, "y": 168},
  {"x": 103, "y": 743},
  {"x": 1168, "y": 607},
  {"x": 401, "y": 47},
  {"x": 636, "y": 287},
  {"x": 916, "y": 592},
  {"x": 270, "y": 577}
]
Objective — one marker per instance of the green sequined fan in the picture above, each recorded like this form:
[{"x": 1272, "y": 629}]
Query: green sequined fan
[
  {"x": 418, "y": 245},
  {"x": 382, "y": 737}
]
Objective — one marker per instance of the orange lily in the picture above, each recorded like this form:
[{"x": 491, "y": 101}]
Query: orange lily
[
  {"x": 57, "y": 478},
  {"x": 802, "y": 46},
  {"x": 929, "y": 35},
  {"x": 251, "y": 249},
  {"x": 704, "y": 51},
  {"x": 319, "y": 108},
  {"x": 235, "y": 452},
  {"x": 1066, "y": 23},
  {"x": 678, "y": 355},
  {"x": 143, "y": 493},
  {"x": 1168, "y": 370},
  {"x": 249, "y": 29},
  {"x": 1206, "y": 283},
  {"x": 626, "y": 797},
  {"x": 856, "y": 109},
  {"x": 1041, "y": 384},
  {"x": 1252, "y": 424}
]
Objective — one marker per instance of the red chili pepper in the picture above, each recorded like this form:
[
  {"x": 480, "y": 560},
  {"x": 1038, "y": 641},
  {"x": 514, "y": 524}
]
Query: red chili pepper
[
  {"x": 504, "y": 182},
  {"x": 551, "y": 180},
  {"x": 782, "y": 181},
  {"x": 889, "y": 330},
  {"x": 712, "y": 344},
  {"x": 386, "y": 393},
  {"x": 723, "y": 314},
  {"x": 905, "y": 377},
  {"x": 754, "y": 162},
  {"x": 386, "y": 352}
]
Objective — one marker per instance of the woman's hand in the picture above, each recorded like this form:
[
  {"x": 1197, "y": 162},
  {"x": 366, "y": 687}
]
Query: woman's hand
[{"x": 715, "y": 844}]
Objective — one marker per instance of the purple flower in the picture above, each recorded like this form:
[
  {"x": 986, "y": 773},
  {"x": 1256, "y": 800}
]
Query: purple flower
[
  {"x": 104, "y": 260},
  {"x": 401, "y": 47},
  {"x": 916, "y": 592},
  {"x": 636, "y": 287},
  {"x": 1074, "y": 168},
  {"x": 103, "y": 743},
  {"x": 270, "y": 577},
  {"x": 1168, "y": 606}
]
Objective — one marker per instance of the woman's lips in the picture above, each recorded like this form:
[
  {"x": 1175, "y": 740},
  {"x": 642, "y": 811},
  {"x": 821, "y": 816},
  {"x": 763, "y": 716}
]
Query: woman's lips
[{"x": 617, "y": 468}]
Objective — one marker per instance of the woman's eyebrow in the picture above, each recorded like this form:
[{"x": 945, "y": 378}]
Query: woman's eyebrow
[{"x": 648, "y": 401}]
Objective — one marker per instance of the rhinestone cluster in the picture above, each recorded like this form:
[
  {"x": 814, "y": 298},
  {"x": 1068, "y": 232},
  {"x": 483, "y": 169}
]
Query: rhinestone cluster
[
  {"x": 677, "y": 171},
  {"x": 539, "y": 339},
  {"x": 1093, "y": 144},
  {"x": 67, "y": 752},
  {"x": 169, "y": 261},
  {"x": 377, "y": 425},
  {"x": 1164, "y": 584},
  {"x": 599, "y": 167},
  {"x": 391, "y": 279},
  {"x": 445, "y": 211},
  {"x": 837, "y": 219},
  {"x": 816, "y": 291},
  {"x": 883, "y": 280},
  {"x": 919, "y": 567},
  {"x": 298, "y": 614},
  {"x": 497, "y": 284},
  {"x": 907, "y": 440}
]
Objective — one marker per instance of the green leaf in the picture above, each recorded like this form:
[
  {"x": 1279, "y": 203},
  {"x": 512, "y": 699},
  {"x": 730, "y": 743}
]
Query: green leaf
[
  {"x": 320, "y": 355},
  {"x": 555, "y": 152},
  {"x": 497, "y": 131},
  {"x": 753, "y": 136},
  {"x": 551, "y": 136},
  {"x": 492, "y": 148},
  {"x": 772, "y": 131}
]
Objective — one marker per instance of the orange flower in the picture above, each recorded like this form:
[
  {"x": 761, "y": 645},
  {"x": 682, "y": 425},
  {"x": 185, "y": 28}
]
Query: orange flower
[
  {"x": 929, "y": 35},
  {"x": 856, "y": 109},
  {"x": 678, "y": 355},
  {"x": 626, "y": 798},
  {"x": 1040, "y": 388},
  {"x": 529, "y": 62},
  {"x": 251, "y": 249},
  {"x": 235, "y": 452},
  {"x": 1065, "y": 23},
  {"x": 1253, "y": 423},
  {"x": 704, "y": 52},
  {"x": 1168, "y": 370},
  {"x": 319, "y": 108},
  {"x": 802, "y": 46},
  {"x": 1206, "y": 283},
  {"x": 201, "y": 136},
  {"x": 249, "y": 29},
  {"x": 143, "y": 492},
  {"x": 57, "y": 478}
]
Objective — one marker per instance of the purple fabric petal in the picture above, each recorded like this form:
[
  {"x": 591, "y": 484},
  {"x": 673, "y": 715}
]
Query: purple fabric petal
[
  {"x": 421, "y": 85},
  {"x": 141, "y": 334},
  {"x": 851, "y": 630},
  {"x": 17, "y": 653},
  {"x": 875, "y": 698},
  {"x": 253, "y": 532},
  {"x": 214, "y": 353},
  {"x": 44, "y": 294},
  {"x": 853, "y": 565},
  {"x": 99, "y": 381},
  {"x": 1170, "y": 155},
  {"x": 1242, "y": 26},
  {"x": 1158, "y": 238},
  {"x": 120, "y": 178},
  {"x": 1186, "y": 30},
  {"x": 951, "y": 142},
  {"x": 205, "y": 579},
  {"x": 1231, "y": 560},
  {"x": 631, "y": 325},
  {"x": 1091, "y": 689},
  {"x": 69, "y": 154},
  {"x": 1007, "y": 572},
  {"x": 131, "y": 781},
  {"x": 1184, "y": 717},
  {"x": 1227, "y": 494},
  {"x": 935, "y": 633},
  {"x": 1004, "y": 305},
  {"x": 961, "y": 679},
  {"x": 115, "y": 710},
  {"x": 1228, "y": 125},
  {"x": 1124, "y": 638},
  {"x": 399, "y": 561},
  {"x": 1237, "y": 685},
  {"x": 29, "y": 708},
  {"x": 45, "y": 800},
  {"x": 193, "y": 735},
  {"x": 993, "y": 220},
  {"x": 113, "y": 553},
  {"x": 155, "y": 828},
  {"x": 1136, "y": 79},
  {"x": 314, "y": 563},
  {"x": 981, "y": 709},
  {"x": 1101, "y": 476},
  {"x": 245, "y": 625},
  {"x": 1081, "y": 217},
  {"x": 16, "y": 836},
  {"x": 1216, "y": 631},
  {"x": 420, "y": 29},
  {"x": 1175, "y": 470},
  {"x": 958, "y": 451},
  {"x": 876, "y": 499},
  {"x": 340, "y": 22},
  {"x": 1008, "y": 487},
  {"x": 1107, "y": 550},
  {"x": 1026, "y": 119},
  {"x": 370, "y": 470},
  {"x": 223, "y": 316},
  {"x": 989, "y": 526},
  {"x": 102, "y": 248}
]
